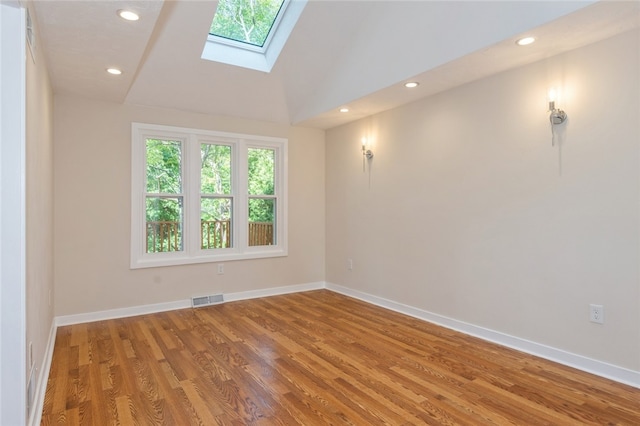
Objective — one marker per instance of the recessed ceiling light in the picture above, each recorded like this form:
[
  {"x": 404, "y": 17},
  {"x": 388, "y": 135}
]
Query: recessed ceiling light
[
  {"x": 525, "y": 41},
  {"x": 344, "y": 109},
  {"x": 114, "y": 71},
  {"x": 128, "y": 15},
  {"x": 411, "y": 84}
]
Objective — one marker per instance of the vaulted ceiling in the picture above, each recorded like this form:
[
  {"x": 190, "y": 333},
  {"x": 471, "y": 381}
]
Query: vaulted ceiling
[{"x": 341, "y": 53}]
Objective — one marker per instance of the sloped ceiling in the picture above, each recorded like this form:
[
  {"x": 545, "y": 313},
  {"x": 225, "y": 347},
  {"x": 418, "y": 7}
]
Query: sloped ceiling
[{"x": 341, "y": 53}]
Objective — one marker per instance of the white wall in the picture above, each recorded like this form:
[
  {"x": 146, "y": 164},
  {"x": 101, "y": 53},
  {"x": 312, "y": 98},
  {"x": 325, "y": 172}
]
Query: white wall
[
  {"x": 470, "y": 213},
  {"x": 92, "y": 212},
  {"x": 39, "y": 209}
]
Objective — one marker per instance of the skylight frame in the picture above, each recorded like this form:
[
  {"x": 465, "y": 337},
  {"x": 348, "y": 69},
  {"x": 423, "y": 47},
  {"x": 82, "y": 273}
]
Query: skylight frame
[
  {"x": 250, "y": 46},
  {"x": 219, "y": 49}
]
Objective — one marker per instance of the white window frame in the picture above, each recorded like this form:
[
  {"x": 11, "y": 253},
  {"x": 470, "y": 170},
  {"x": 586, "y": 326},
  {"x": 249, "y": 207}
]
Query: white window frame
[
  {"x": 191, "y": 140},
  {"x": 253, "y": 57}
]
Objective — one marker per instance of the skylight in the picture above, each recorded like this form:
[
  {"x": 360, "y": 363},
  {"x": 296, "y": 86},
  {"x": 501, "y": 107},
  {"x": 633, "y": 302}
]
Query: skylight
[
  {"x": 246, "y": 21},
  {"x": 251, "y": 33}
]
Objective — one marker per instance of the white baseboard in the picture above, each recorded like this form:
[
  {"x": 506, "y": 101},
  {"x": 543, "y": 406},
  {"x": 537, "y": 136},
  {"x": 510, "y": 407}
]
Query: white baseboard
[
  {"x": 275, "y": 291},
  {"x": 599, "y": 368},
  {"x": 35, "y": 416},
  {"x": 121, "y": 312},
  {"x": 179, "y": 304}
]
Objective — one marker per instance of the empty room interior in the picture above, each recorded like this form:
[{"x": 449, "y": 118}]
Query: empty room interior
[{"x": 381, "y": 212}]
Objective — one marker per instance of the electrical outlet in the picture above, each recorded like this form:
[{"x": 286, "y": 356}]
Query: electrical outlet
[
  {"x": 350, "y": 264},
  {"x": 596, "y": 313},
  {"x": 220, "y": 268}
]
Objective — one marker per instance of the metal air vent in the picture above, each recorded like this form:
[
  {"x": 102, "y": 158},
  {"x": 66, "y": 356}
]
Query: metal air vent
[{"x": 213, "y": 299}]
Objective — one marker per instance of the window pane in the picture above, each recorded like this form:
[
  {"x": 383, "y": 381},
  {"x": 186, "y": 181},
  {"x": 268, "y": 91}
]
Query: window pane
[
  {"x": 261, "y": 171},
  {"x": 215, "y": 173},
  {"x": 215, "y": 223},
  {"x": 261, "y": 221},
  {"x": 246, "y": 21},
  {"x": 164, "y": 224},
  {"x": 164, "y": 166}
]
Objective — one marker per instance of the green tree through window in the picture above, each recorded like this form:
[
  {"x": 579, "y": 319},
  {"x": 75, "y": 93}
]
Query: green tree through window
[
  {"x": 164, "y": 199},
  {"x": 262, "y": 201},
  {"x": 216, "y": 202},
  {"x": 246, "y": 21}
]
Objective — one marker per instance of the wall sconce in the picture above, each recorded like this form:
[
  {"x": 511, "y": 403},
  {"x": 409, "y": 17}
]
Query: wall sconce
[
  {"x": 366, "y": 153},
  {"x": 556, "y": 116}
]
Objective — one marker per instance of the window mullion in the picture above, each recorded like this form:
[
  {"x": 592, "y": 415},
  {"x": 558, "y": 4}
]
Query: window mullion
[
  {"x": 192, "y": 195},
  {"x": 281, "y": 190},
  {"x": 241, "y": 192}
]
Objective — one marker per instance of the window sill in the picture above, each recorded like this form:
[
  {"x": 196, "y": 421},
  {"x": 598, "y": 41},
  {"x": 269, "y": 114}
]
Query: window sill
[{"x": 175, "y": 259}]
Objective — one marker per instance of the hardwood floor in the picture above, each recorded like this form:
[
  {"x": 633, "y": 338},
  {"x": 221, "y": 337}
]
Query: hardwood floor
[{"x": 311, "y": 358}]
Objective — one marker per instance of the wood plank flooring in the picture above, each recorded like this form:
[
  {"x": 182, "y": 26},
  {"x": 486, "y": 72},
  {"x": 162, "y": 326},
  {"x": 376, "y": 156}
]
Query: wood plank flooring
[{"x": 311, "y": 358}]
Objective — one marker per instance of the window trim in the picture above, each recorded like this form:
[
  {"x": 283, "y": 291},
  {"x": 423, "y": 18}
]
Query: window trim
[{"x": 192, "y": 252}]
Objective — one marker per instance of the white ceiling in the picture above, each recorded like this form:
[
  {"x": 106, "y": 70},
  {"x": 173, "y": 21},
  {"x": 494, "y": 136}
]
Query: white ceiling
[{"x": 353, "y": 53}]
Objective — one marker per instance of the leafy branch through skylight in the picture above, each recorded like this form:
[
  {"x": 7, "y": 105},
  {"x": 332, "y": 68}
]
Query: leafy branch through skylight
[{"x": 245, "y": 21}]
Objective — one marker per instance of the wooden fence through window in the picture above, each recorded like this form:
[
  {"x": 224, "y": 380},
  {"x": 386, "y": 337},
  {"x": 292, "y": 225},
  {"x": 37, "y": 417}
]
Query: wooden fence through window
[
  {"x": 215, "y": 234},
  {"x": 260, "y": 233},
  {"x": 163, "y": 236},
  {"x": 166, "y": 236}
]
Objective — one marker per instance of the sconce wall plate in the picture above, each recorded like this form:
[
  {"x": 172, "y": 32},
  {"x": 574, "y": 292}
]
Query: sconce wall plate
[{"x": 557, "y": 116}]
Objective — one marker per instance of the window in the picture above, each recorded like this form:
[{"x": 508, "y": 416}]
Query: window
[
  {"x": 247, "y": 21},
  {"x": 201, "y": 196},
  {"x": 251, "y": 33}
]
